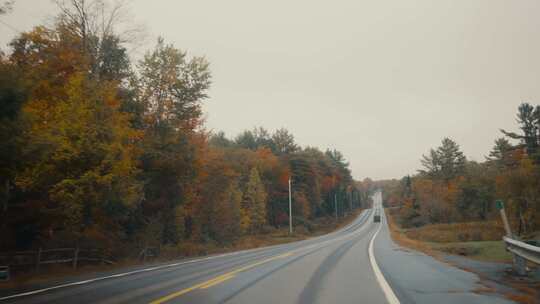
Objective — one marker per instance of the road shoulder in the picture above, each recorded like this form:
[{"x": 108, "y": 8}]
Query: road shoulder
[{"x": 417, "y": 277}]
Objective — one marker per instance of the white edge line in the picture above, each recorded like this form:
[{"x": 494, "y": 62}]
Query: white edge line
[
  {"x": 123, "y": 274},
  {"x": 33, "y": 292},
  {"x": 387, "y": 290}
]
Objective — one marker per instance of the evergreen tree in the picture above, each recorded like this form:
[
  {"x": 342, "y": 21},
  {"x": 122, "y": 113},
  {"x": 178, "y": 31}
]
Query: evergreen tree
[
  {"x": 500, "y": 155},
  {"x": 446, "y": 162}
]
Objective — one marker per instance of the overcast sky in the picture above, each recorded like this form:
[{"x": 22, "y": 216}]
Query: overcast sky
[{"x": 381, "y": 81}]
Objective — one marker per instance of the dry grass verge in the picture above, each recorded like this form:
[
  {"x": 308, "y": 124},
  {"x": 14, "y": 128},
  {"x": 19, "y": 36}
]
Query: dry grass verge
[
  {"x": 399, "y": 236},
  {"x": 458, "y": 232}
]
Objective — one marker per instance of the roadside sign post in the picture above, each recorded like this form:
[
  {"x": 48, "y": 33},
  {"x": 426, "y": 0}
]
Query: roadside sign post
[
  {"x": 520, "y": 264},
  {"x": 500, "y": 206}
]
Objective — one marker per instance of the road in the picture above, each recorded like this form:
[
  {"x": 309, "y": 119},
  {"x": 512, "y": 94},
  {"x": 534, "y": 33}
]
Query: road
[{"x": 357, "y": 264}]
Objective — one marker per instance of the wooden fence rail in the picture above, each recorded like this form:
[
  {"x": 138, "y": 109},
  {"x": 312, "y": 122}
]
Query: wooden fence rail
[{"x": 34, "y": 259}]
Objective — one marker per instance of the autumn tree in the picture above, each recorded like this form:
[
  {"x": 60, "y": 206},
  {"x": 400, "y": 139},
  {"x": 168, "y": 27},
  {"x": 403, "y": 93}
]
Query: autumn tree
[
  {"x": 520, "y": 189},
  {"x": 77, "y": 162},
  {"x": 253, "y": 212},
  {"x": 84, "y": 161},
  {"x": 171, "y": 88},
  {"x": 217, "y": 212}
]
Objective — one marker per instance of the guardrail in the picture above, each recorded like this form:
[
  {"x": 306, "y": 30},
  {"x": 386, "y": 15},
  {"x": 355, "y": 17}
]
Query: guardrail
[{"x": 522, "y": 252}]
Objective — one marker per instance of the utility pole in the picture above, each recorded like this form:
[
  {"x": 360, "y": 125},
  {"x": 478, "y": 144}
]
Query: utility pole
[{"x": 290, "y": 208}]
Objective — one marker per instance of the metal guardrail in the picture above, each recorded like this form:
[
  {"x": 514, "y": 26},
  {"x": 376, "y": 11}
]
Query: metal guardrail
[
  {"x": 527, "y": 251},
  {"x": 522, "y": 252}
]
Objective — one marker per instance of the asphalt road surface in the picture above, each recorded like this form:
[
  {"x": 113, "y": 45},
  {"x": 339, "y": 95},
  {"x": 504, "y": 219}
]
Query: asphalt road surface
[{"x": 357, "y": 264}]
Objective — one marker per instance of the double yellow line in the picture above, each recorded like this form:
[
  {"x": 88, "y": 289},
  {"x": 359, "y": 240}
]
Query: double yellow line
[{"x": 219, "y": 279}]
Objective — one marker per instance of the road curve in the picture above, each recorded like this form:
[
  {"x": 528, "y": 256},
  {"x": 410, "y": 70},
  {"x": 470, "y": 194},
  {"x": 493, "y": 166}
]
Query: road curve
[{"x": 334, "y": 268}]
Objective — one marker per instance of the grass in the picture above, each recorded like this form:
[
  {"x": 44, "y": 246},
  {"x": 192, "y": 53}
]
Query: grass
[
  {"x": 476, "y": 240},
  {"x": 458, "y": 232},
  {"x": 490, "y": 251}
]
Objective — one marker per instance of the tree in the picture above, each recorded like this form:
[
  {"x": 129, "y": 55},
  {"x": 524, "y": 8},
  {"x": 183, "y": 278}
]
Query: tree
[
  {"x": 431, "y": 163},
  {"x": 220, "y": 140},
  {"x": 262, "y": 138},
  {"x": 253, "y": 214},
  {"x": 446, "y": 162},
  {"x": 283, "y": 142},
  {"x": 13, "y": 94},
  {"x": 500, "y": 155},
  {"x": 6, "y": 6},
  {"x": 476, "y": 192},
  {"x": 529, "y": 119},
  {"x": 520, "y": 189},
  {"x": 452, "y": 159},
  {"x": 225, "y": 223},
  {"x": 172, "y": 87},
  {"x": 84, "y": 162},
  {"x": 97, "y": 23},
  {"x": 246, "y": 140},
  {"x": 76, "y": 164}
]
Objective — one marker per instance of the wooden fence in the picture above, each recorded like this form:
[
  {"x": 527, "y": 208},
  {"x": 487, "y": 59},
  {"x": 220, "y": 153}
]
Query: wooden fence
[
  {"x": 24, "y": 260},
  {"x": 34, "y": 259},
  {"x": 149, "y": 252}
]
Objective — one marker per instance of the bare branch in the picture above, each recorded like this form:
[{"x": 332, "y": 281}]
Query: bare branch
[{"x": 6, "y": 6}]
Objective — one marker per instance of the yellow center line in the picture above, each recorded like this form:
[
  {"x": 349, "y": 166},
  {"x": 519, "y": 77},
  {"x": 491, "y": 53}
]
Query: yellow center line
[{"x": 219, "y": 279}]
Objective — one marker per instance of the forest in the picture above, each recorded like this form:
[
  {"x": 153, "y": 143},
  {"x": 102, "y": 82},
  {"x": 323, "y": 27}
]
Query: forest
[
  {"x": 451, "y": 189},
  {"x": 103, "y": 151}
]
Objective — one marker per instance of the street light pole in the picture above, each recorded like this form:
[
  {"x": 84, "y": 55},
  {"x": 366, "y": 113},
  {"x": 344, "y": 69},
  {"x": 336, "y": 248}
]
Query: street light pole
[{"x": 290, "y": 207}]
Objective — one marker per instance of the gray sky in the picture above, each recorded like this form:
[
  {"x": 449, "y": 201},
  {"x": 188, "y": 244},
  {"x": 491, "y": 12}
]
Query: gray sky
[{"x": 381, "y": 81}]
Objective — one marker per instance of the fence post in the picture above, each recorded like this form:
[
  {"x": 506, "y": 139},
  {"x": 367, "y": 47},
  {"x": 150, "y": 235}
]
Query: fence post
[
  {"x": 75, "y": 257},
  {"x": 38, "y": 259}
]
